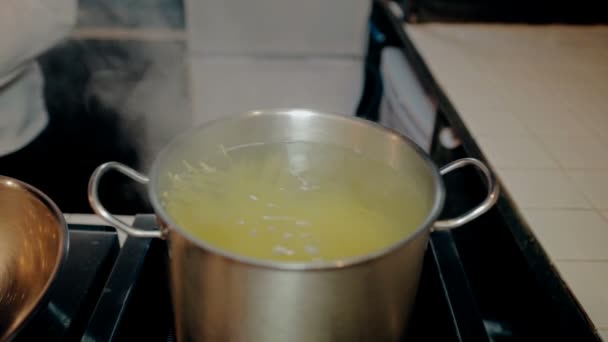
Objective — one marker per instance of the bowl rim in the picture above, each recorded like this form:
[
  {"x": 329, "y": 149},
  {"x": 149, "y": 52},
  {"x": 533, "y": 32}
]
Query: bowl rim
[{"x": 63, "y": 249}]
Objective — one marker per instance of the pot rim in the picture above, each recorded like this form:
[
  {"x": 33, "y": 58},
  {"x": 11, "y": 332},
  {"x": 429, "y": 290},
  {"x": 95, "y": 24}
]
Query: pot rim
[
  {"x": 433, "y": 214},
  {"x": 63, "y": 249}
]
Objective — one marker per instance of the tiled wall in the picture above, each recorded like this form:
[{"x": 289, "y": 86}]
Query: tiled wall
[
  {"x": 131, "y": 13},
  {"x": 534, "y": 97}
]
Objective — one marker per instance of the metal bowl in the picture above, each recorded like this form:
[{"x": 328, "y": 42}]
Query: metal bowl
[{"x": 33, "y": 245}]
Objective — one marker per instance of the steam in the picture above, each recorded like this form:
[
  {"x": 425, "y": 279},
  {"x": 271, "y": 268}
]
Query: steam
[{"x": 140, "y": 73}]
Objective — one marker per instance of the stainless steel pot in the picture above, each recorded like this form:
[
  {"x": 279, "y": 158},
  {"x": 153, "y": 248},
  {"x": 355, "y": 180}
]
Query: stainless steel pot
[
  {"x": 33, "y": 245},
  {"x": 219, "y": 296}
]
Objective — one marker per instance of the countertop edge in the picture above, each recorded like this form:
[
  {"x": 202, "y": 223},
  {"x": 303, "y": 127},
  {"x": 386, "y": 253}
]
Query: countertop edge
[{"x": 533, "y": 252}]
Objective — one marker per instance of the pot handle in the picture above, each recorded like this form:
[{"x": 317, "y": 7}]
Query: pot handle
[
  {"x": 100, "y": 210},
  {"x": 490, "y": 200}
]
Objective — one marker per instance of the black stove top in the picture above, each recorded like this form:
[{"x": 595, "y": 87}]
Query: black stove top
[{"x": 108, "y": 293}]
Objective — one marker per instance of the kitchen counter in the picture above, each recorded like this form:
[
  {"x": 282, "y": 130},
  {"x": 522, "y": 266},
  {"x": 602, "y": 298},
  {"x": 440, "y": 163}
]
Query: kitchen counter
[
  {"x": 520, "y": 289},
  {"x": 531, "y": 99}
]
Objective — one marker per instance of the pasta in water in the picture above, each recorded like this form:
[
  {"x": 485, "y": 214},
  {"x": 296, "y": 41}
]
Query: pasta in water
[{"x": 293, "y": 202}]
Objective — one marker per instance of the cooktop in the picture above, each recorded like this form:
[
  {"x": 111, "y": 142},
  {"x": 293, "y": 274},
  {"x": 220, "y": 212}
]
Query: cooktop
[{"x": 107, "y": 293}]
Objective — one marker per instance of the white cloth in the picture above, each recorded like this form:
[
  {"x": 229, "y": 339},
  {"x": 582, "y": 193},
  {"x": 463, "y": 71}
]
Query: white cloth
[{"x": 28, "y": 27}]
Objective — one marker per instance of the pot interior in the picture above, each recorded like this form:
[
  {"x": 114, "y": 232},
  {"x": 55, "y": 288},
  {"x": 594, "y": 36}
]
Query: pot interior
[{"x": 380, "y": 146}]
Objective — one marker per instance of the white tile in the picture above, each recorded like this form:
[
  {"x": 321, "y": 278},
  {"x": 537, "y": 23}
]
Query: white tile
[
  {"x": 122, "y": 237},
  {"x": 599, "y": 125},
  {"x": 570, "y": 234},
  {"x": 278, "y": 27},
  {"x": 542, "y": 189},
  {"x": 490, "y": 121},
  {"x": 594, "y": 184},
  {"x": 226, "y": 86},
  {"x": 589, "y": 282},
  {"x": 604, "y": 335},
  {"x": 577, "y": 152},
  {"x": 594, "y": 113},
  {"x": 551, "y": 117},
  {"x": 93, "y": 219},
  {"x": 515, "y": 152},
  {"x": 603, "y": 138},
  {"x": 128, "y": 219}
]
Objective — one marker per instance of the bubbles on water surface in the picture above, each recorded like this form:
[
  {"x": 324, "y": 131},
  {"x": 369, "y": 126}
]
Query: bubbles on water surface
[
  {"x": 262, "y": 204},
  {"x": 282, "y": 250}
]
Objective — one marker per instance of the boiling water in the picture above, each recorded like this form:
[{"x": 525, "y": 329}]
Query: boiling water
[{"x": 294, "y": 202}]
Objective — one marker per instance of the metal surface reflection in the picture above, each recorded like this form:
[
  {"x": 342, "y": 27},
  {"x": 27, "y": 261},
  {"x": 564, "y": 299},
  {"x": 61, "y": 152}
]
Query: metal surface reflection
[{"x": 33, "y": 243}]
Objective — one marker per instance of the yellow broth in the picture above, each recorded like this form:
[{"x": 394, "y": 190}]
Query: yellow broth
[{"x": 294, "y": 202}]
